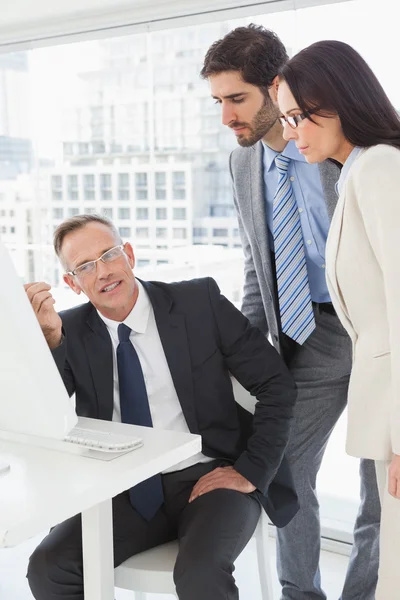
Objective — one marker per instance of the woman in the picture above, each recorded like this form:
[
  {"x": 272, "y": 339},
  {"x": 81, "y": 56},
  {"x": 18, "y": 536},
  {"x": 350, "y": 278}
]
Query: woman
[{"x": 334, "y": 107}]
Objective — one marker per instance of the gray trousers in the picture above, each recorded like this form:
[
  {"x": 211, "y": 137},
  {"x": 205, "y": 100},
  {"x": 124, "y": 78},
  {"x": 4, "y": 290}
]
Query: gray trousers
[
  {"x": 212, "y": 531},
  {"x": 321, "y": 369}
]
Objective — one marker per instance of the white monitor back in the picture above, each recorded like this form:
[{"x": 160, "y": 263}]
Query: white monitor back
[{"x": 33, "y": 397}]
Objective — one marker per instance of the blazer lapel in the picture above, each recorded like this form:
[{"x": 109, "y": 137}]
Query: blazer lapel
[
  {"x": 172, "y": 330},
  {"x": 332, "y": 249},
  {"x": 99, "y": 354},
  {"x": 258, "y": 214}
]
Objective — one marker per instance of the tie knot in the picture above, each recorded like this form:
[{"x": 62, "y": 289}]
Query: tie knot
[
  {"x": 124, "y": 332},
  {"x": 282, "y": 163}
]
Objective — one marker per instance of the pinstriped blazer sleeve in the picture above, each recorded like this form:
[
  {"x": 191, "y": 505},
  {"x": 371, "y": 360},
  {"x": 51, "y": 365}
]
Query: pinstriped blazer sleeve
[{"x": 252, "y": 304}]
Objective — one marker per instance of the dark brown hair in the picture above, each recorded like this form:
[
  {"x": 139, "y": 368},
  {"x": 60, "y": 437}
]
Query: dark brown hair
[
  {"x": 255, "y": 52},
  {"x": 77, "y": 222},
  {"x": 331, "y": 78}
]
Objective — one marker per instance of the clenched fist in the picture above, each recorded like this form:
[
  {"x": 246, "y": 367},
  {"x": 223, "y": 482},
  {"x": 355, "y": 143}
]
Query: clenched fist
[{"x": 43, "y": 304}]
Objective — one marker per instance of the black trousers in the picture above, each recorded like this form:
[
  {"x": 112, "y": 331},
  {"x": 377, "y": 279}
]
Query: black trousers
[{"x": 212, "y": 531}]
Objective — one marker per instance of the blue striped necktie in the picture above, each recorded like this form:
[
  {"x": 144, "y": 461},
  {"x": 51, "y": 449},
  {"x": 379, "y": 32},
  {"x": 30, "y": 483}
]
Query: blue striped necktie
[
  {"x": 295, "y": 306},
  {"x": 146, "y": 497}
]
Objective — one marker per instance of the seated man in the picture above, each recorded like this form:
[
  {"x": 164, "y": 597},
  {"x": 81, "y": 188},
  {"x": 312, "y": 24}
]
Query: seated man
[{"x": 160, "y": 355}]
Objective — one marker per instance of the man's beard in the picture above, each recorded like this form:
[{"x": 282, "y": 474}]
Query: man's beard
[{"x": 263, "y": 121}]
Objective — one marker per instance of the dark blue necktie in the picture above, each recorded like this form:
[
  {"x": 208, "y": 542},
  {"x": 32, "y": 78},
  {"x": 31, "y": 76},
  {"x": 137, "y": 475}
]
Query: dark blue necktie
[{"x": 148, "y": 496}]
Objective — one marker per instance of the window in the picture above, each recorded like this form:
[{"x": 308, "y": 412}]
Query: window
[
  {"x": 179, "y": 233},
  {"x": 56, "y": 187},
  {"x": 142, "y": 214},
  {"x": 88, "y": 187},
  {"x": 107, "y": 212},
  {"x": 124, "y": 232},
  {"x": 161, "y": 233},
  {"x": 220, "y": 232},
  {"x": 58, "y": 213},
  {"x": 124, "y": 213},
  {"x": 89, "y": 210},
  {"x": 178, "y": 185},
  {"x": 123, "y": 186},
  {"x": 142, "y": 233},
  {"x": 105, "y": 186},
  {"x": 161, "y": 214},
  {"x": 129, "y": 120},
  {"x": 161, "y": 186},
  {"x": 142, "y": 262},
  {"x": 200, "y": 231},
  {"x": 141, "y": 186},
  {"x": 72, "y": 186},
  {"x": 179, "y": 214}
]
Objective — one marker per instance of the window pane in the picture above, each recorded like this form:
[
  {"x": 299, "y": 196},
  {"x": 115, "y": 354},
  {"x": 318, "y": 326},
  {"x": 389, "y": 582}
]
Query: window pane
[
  {"x": 125, "y": 232},
  {"x": 161, "y": 232},
  {"x": 161, "y": 214},
  {"x": 142, "y": 233},
  {"x": 124, "y": 213},
  {"x": 107, "y": 212},
  {"x": 179, "y": 213},
  {"x": 179, "y": 233},
  {"x": 142, "y": 214}
]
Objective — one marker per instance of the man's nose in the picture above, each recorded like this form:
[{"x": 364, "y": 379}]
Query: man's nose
[{"x": 228, "y": 114}]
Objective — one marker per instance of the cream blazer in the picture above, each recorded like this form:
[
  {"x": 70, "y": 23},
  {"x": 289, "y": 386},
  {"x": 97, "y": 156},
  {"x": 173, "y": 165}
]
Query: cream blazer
[{"x": 363, "y": 275}]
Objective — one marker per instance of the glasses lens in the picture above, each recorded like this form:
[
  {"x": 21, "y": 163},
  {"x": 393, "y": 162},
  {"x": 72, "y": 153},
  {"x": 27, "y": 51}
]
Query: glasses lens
[
  {"x": 112, "y": 254},
  {"x": 85, "y": 269}
]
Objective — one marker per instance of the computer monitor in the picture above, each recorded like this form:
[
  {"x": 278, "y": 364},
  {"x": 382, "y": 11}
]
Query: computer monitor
[{"x": 34, "y": 400}]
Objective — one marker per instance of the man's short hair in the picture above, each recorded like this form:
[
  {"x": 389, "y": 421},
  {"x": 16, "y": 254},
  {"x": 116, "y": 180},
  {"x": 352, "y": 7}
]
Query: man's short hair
[
  {"x": 255, "y": 52},
  {"x": 77, "y": 222}
]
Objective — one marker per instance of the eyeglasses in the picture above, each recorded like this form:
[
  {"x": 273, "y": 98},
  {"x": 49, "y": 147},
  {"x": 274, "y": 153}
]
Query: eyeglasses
[
  {"x": 295, "y": 120},
  {"x": 90, "y": 267}
]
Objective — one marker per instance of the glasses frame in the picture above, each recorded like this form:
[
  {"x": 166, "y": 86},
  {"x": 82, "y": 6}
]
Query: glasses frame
[
  {"x": 295, "y": 120},
  {"x": 74, "y": 273}
]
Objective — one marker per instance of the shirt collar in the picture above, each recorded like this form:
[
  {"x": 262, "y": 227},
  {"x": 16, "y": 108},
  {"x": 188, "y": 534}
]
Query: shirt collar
[
  {"x": 346, "y": 168},
  {"x": 290, "y": 151},
  {"x": 138, "y": 318}
]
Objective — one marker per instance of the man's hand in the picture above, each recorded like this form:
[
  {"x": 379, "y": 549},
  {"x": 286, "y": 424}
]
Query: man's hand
[
  {"x": 394, "y": 477},
  {"x": 43, "y": 304},
  {"x": 222, "y": 477}
]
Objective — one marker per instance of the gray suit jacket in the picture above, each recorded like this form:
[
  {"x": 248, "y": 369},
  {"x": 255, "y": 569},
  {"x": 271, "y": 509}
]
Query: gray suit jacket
[{"x": 259, "y": 294}]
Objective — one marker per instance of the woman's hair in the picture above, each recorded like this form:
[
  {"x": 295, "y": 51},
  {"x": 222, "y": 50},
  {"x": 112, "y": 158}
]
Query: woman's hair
[{"x": 330, "y": 78}]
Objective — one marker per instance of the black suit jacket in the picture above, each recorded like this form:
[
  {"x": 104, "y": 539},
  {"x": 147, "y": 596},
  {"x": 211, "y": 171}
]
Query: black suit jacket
[{"x": 205, "y": 338}]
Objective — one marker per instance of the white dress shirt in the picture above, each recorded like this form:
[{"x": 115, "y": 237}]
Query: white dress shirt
[{"x": 165, "y": 408}]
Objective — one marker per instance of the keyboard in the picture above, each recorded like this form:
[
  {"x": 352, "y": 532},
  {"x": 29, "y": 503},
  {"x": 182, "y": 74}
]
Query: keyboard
[{"x": 102, "y": 440}]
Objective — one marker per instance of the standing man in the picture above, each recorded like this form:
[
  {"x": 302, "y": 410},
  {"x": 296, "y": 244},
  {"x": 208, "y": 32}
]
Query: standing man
[{"x": 284, "y": 207}]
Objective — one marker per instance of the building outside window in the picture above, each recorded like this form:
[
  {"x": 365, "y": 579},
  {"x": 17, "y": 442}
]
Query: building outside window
[{"x": 105, "y": 186}]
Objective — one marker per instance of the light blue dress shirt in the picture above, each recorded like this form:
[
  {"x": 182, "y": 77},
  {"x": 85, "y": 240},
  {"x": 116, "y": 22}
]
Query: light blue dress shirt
[
  {"x": 307, "y": 188},
  {"x": 346, "y": 168}
]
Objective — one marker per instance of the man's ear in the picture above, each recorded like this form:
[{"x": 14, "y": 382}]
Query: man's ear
[
  {"x": 273, "y": 89},
  {"x": 130, "y": 254},
  {"x": 71, "y": 281}
]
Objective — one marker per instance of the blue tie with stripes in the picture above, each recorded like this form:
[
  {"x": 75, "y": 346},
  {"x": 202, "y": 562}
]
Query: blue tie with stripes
[
  {"x": 295, "y": 306},
  {"x": 146, "y": 497}
]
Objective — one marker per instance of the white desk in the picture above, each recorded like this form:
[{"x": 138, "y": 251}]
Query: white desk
[{"x": 46, "y": 486}]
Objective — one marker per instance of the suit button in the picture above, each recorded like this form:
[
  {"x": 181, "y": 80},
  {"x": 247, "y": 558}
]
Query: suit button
[{"x": 275, "y": 337}]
